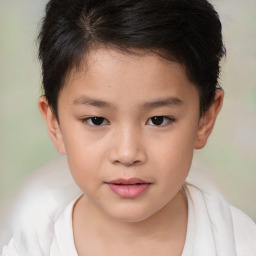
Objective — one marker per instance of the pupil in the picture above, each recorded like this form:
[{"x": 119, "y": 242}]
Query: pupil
[
  {"x": 97, "y": 120},
  {"x": 157, "y": 120}
]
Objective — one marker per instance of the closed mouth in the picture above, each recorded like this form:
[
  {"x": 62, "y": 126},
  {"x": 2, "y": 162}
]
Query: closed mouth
[
  {"x": 128, "y": 188},
  {"x": 128, "y": 182}
]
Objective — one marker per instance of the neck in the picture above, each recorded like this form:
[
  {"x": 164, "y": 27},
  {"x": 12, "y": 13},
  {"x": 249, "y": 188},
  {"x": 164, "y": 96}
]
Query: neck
[{"x": 170, "y": 223}]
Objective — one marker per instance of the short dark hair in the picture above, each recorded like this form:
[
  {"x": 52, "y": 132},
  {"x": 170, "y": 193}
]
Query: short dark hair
[{"x": 185, "y": 31}]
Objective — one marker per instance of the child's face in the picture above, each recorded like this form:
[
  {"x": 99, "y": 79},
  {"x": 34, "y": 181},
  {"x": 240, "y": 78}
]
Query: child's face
[{"x": 148, "y": 128}]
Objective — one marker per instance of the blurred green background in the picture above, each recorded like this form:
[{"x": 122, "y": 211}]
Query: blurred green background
[{"x": 230, "y": 156}]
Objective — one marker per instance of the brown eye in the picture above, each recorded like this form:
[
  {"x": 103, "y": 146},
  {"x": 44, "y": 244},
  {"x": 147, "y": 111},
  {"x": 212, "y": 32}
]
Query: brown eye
[
  {"x": 159, "y": 120},
  {"x": 96, "y": 121}
]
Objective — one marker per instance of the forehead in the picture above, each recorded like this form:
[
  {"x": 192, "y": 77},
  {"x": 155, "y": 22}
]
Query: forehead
[{"x": 117, "y": 75}]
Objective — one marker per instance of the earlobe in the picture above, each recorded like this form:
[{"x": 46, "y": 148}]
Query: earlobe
[
  {"x": 52, "y": 124},
  {"x": 207, "y": 121}
]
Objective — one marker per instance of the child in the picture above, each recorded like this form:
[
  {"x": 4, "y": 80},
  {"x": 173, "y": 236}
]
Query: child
[{"x": 131, "y": 89}]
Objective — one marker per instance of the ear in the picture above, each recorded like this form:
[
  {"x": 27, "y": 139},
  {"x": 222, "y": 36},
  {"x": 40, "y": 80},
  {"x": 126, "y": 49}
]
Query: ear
[
  {"x": 52, "y": 124},
  {"x": 207, "y": 121}
]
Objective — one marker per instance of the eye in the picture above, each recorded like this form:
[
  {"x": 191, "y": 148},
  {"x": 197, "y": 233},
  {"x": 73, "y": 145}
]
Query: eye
[
  {"x": 96, "y": 121},
  {"x": 160, "y": 120}
]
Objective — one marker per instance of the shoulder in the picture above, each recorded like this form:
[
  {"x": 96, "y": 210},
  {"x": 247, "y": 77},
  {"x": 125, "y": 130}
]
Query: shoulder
[
  {"x": 230, "y": 229},
  {"x": 9, "y": 250},
  {"x": 37, "y": 206},
  {"x": 244, "y": 232}
]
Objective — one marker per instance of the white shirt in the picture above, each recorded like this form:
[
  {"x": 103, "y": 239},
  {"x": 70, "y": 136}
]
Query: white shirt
[
  {"x": 63, "y": 241},
  {"x": 202, "y": 234},
  {"x": 214, "y": 227}
]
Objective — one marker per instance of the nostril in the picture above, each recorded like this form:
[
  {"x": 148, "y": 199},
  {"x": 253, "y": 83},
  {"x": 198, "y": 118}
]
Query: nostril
[
  {"x": 128, "y": 163},
  {"x": 127, "y": 154},
  {"x": 137, "y": 162}
]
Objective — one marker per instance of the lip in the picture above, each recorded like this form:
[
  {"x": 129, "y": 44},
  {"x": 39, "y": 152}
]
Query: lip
[{"x": 128, "y": 188}]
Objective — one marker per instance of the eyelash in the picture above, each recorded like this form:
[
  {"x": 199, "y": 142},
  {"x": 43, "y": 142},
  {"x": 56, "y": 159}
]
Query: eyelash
[
  {"x": 166, "y": 120},
  {"x": 89, "y": 120},
  {"x": 103, "y": 121}
]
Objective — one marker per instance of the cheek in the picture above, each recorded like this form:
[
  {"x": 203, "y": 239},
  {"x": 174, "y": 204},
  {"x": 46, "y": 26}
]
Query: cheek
[
  {"x": 173, "y": 155},
  {"x": 173, "y": 171},
  {"x": 85, "y": 158}
]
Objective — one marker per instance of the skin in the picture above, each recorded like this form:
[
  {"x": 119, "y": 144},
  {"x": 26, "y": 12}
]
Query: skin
[{"x": 127, "y": 91}]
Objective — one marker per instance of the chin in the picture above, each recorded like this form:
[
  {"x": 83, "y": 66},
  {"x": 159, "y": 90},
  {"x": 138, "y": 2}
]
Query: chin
[
  {"x": 129, "y": 215},
  {"x": 129, "y": 218}
]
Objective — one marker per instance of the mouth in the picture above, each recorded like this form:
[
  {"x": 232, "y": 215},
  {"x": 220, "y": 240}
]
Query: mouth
[{"x": 128, "y": 188}]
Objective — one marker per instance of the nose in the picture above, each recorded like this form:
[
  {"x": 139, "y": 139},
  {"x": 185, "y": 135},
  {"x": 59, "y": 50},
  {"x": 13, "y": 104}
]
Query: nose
[{"x": 128, "y": 148}]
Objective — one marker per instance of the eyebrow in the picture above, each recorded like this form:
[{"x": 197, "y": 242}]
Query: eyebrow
[
  {"x": 92, "y": 102},
  {"x": 166, "y": 102},
  {"x": 169, "y": 102}
]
